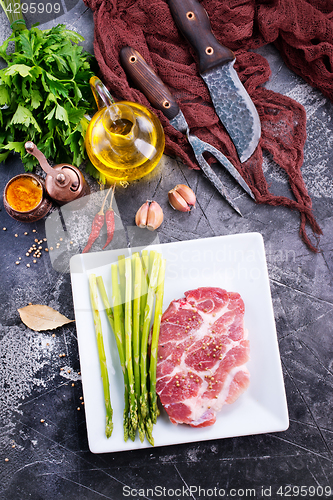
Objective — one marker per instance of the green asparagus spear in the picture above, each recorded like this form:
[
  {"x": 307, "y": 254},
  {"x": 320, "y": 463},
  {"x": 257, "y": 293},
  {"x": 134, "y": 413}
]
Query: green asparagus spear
[
  {"x": 145, "y": 334},
  {"x": 138, "y": 274},
  {"x": 151, "y": 258},
  {"x": 101, "y": 354},
  {"x": 149, "y": 430},
  {"x": 105, "y": 300},
  {"x": 136, "y": 322},
  {"x": 128, "y": 342},
  {"x": 145, "y": 260},
  {"x": 154, "y": 341},
  {"x": 122, "y": 279},
  {"x": 141, "y": 279},
  {"x": 119, "y": 334},
  {"x": 144, "y": 285}
]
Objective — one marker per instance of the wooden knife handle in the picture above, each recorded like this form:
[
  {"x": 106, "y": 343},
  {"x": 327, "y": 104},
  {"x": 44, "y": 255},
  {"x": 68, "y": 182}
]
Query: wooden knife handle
[
  {"x": 144, "y": 77},
  {"x": 192, "y": 20}
]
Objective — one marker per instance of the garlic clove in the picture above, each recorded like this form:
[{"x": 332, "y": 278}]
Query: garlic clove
[
  {"x": 186, "y": 193},
  {"x": 149, "y": 215},
  {"x": 177, "y": 202},
  {"x": 182, "y": 198},
  {"x": 155, "y": 216},
  {"x": 142, "y": 215}
]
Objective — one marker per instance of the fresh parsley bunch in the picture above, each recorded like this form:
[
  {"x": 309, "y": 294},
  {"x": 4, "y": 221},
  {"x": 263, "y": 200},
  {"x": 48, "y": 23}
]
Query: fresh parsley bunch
[{"x": 45, "y": 95}]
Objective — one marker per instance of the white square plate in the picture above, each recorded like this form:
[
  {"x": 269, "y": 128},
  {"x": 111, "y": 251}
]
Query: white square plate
[{"x": 236, "y": 263}]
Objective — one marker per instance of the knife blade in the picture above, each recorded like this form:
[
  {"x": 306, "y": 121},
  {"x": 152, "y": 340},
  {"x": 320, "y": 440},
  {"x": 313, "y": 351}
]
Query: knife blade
[{"x": 231, "y": 101}]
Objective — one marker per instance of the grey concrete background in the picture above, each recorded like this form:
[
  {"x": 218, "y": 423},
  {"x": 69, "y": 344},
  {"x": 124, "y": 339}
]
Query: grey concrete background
[{"x": 46, "y": 462}]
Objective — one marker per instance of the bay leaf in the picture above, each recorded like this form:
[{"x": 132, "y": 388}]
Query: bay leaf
[{"x": 39, "y": 317}]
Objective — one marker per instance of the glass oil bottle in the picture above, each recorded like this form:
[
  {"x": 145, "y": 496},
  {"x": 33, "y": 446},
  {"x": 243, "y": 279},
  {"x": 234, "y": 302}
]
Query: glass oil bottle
[{"x": 124, "y": 140}]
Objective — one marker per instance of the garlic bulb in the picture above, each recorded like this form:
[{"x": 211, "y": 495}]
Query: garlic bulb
[
  {"x": 182, "y": 198},
  {"x": 149, "y": 215}
]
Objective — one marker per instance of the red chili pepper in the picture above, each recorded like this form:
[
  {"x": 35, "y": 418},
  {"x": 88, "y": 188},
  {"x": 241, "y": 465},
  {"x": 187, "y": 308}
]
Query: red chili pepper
[
  {"x": 110, "y": 225},
  {"x": 109, "y": 219},
  {"x": 96, "y": 226}
]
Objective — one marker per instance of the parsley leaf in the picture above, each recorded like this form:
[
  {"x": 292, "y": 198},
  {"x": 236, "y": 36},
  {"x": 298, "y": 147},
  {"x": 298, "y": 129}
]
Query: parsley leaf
[
  {"x": 18, "y": 69},
  {"x": 23, "y": 116},
  {"x": 45, "y": 95}
]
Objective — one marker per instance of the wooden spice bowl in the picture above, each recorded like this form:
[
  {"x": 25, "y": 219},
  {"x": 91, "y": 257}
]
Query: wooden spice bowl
[{"x": 25, "y": 198}]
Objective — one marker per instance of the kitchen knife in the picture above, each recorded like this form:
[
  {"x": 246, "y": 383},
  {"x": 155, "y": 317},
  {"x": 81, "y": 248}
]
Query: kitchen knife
[
  {"x": 231, "y": 101},
  {"x": 161, "y": 98}
]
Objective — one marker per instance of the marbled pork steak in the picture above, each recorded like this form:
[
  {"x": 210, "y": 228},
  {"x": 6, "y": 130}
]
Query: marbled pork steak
[{"x": 201, "y": 356}]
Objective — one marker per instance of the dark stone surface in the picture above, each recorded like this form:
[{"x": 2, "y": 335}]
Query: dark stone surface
[{"x": 51, "y": 460}]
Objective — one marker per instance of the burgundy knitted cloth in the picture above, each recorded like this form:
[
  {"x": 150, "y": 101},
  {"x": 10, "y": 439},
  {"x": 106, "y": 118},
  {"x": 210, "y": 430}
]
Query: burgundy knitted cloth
[{"x": 302, "y": 30}]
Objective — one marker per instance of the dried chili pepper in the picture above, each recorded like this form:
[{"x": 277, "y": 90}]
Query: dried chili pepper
[
  {"x": 96, "y": 226},
  {"x": 109, "y": 220}
]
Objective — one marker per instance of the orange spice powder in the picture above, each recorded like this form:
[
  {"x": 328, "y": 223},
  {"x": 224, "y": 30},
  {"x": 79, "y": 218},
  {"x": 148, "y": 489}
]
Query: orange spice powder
[{"x": 24, "y": 194}]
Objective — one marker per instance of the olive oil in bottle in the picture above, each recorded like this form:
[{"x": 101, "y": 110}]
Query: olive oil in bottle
[{"x": 124, "y": 140}]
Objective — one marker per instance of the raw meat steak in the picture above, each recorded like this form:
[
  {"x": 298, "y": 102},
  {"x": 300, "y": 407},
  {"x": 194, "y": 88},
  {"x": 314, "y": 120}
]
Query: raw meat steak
[{"x": 201, "y": 356}]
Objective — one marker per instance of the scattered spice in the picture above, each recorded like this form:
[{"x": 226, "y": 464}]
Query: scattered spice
[{"x": 24, "y": 194}]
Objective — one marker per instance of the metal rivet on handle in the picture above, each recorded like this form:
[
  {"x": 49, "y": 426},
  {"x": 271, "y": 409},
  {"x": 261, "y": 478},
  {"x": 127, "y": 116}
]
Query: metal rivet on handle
[
  {"x": 209, "y": 51},
  {"x": 190, "y": 15}
]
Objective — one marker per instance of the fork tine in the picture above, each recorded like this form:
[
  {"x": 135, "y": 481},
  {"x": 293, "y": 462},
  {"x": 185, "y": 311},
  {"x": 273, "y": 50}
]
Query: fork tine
[
  {"x": 229, "y": 166},
  {"x": 199, "y": 149}
]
